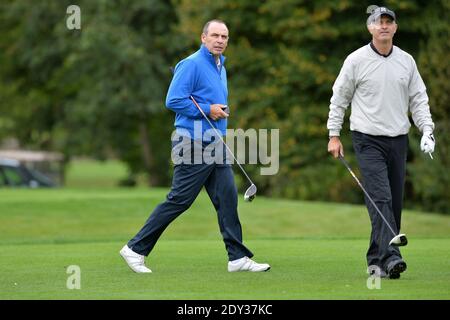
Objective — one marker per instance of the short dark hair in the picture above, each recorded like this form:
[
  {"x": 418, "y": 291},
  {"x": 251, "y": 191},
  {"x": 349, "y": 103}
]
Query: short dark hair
[{"x": 205, "y": 28}]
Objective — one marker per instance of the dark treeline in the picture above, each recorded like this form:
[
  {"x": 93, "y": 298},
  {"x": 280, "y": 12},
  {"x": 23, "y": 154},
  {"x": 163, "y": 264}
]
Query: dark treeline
[{"x": 100, "y": 91}]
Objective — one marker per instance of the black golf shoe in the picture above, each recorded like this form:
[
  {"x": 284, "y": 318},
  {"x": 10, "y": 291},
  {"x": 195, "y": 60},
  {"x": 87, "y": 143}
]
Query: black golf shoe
[{"x": 394, "y": 268}]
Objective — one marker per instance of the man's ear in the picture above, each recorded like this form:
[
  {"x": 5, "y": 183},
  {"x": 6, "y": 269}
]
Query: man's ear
[
  {"x": 396, "y": 27},
  {"x": 203, "y": 37},
  {"x": 370, "y": 27}
]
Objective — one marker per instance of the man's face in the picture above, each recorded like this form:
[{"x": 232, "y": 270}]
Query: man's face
[
  {"x": 383, "y": 29},
  {"x": 216, "y": 40}
]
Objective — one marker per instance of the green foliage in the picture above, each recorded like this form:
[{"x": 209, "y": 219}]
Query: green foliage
[
  {"x": 431, "y": 178},
  {"x": 283, "y": 58},
  {"x": 100, "y": 90}
]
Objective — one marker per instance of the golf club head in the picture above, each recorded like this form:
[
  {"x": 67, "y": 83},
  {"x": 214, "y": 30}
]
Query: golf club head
[
  {"x": 399, "y": 240},
  {"x": 250, "y": 193}
]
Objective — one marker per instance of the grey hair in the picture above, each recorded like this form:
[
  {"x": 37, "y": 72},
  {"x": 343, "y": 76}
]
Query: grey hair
[{"x": 206, "y": 27}]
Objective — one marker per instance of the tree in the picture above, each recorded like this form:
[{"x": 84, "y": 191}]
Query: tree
[
  {"x": 430, "y": 178},
  {"x": 283, "y": 58},
  {"x": 99, "y": 90}
]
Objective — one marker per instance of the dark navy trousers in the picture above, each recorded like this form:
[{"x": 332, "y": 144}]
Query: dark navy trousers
[
  {"x": 382, "y": 162},
  {"x": 188, "y": 180}
]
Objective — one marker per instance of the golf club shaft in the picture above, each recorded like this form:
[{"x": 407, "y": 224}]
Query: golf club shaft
[
  {"x": 220, "y": 137},
  {"x": 366, "y": 193}
]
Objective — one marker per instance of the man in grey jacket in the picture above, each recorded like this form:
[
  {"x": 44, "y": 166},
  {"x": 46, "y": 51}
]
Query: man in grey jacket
[{"x": 382, "y": 84}]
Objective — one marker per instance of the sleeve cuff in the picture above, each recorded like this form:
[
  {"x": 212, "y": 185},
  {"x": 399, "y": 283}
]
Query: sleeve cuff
[
  {"x": 334, "y": 133},
  {"x": 206, "y": 108},
  {"x": 427, "y": 130}
]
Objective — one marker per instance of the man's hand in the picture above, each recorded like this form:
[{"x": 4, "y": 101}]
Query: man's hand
[
  {"x": 335, "y": 147},
  {"x": 427, "y": 142},
  {"x": 217, "y": 112}
]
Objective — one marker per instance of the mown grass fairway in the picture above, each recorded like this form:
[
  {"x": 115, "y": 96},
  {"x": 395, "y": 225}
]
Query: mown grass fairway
[{"x": 316, "y": 250}]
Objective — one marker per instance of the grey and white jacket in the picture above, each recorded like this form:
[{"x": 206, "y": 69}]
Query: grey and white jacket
[{"x": 381, "y": 91}]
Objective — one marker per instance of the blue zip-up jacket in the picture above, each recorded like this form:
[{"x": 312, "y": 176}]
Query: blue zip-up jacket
[{"x": 197, "y": 75}]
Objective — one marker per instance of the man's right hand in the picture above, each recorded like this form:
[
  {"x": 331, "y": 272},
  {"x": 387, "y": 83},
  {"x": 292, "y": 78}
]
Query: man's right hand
[
  {"x": 217, "y": 112},
  {"x": 335, "y": 147}
]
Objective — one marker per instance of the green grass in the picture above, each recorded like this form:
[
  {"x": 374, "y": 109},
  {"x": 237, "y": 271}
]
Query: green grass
[
  {"x": 88, "y": 173},
  {"x": 316, "y": 250}
]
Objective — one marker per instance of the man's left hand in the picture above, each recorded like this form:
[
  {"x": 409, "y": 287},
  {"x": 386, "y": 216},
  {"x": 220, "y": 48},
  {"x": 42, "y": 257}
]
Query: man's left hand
[
  {"x": 427, "y": 143},
  {"x": 217, "y": 112}
]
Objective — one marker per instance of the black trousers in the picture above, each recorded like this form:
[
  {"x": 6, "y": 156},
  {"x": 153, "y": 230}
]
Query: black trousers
[
  {"x": 188, "y": 180},
  {"x": 382, "y": 161}
]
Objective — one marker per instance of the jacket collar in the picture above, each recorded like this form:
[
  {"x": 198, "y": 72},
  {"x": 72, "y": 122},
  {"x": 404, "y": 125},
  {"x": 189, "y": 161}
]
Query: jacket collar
[{"x": 210, "y": 56}]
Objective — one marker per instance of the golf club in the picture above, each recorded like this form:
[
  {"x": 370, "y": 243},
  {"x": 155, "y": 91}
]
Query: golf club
[
  {"x": 399, "y": 239},
  {"x": 250, "y": 193}
]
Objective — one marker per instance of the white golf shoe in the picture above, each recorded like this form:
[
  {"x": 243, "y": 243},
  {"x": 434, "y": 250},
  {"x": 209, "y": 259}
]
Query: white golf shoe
[
  {"x": 134, "y": 260},
  {"x": 247, "y": 264}
]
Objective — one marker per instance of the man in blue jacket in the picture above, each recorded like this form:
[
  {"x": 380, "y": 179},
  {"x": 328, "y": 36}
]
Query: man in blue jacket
[{"x": 203, "y": 77}]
